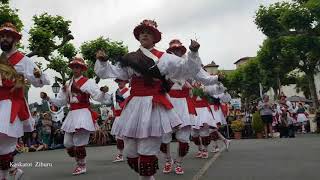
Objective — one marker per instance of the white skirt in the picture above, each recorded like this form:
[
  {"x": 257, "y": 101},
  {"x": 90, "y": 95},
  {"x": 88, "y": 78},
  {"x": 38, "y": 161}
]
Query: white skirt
[
  {"x": 301, "y": 117},
  {"x": 218, "y": 115},
  {"x": 17, "y": 128},
  {"x": 78, "y": 119},
  {"x": 116, "y": 126},
  {"x": 141, "y": 118},
  {"x": 181, "y": 107},
  {"x": 204, "y": 116}
]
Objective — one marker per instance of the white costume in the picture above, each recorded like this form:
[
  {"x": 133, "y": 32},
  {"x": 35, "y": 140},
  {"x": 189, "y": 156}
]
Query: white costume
[
  {"x": 156, "y": 120},
  {"x": 217, "y": 92},
  {"x": 80, "y": 121},
  {"x": 14, "y": 111}
]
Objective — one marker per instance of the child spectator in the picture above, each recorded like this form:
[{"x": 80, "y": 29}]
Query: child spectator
[{"x": 35, "y": 144}]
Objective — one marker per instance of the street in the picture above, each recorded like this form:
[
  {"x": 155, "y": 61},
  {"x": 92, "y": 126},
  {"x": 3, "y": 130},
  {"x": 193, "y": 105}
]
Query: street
[{"x": 270, "y": 159}]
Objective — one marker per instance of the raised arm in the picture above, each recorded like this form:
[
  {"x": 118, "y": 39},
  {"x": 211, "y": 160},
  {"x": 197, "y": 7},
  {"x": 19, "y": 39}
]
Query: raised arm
[
  {"x": 60, "y": 100},
  {"x": 205, "y": 78},
  {"x": 96, "y": 94},
  {"x": 32, "y": 73},
  {"x": 105, "y": 69}
]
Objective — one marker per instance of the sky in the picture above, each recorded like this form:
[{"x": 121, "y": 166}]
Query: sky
[{"x": 224, "y": 28}]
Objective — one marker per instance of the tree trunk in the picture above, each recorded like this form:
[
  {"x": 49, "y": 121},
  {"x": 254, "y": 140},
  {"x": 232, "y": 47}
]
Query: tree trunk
[
  {"x": 279, "y": 85},
  {"x": 313, "y": 90}
]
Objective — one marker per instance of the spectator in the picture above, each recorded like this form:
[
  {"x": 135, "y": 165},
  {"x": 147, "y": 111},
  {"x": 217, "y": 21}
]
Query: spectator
[
  {"x": 35, "y": 144},
  {"x": 20, "y": 148},
  {"x": 265, "y": 109},
  {"x": 58, "y": 137},
  {"x": 46, "y": 130},
  {"x": 302, "y": 117}
]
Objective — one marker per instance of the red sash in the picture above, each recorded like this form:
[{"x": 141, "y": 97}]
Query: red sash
[
  {"x": 83, "y": 98},
  {"x": 184, "y": 93},
  {"x": 139, "y": 88},
  {"x": 19, "y": 106},
  {"x": 15, "y": 58},
  {"x": 201, "y": 103},
  {"x": 225, "y": 109},
  {"x": 117, "y": 112},
  {"x": 157, "y": 53}
]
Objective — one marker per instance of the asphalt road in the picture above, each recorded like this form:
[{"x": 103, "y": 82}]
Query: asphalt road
[{"x": 271, "y": 159}]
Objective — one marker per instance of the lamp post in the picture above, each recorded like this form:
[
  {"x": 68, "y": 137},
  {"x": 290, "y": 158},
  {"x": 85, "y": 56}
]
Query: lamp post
[{"x": 55, "y": 88}]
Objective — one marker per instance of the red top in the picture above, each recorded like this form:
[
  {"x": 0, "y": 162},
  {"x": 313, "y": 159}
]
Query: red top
[{"x": 82, "y": 97}]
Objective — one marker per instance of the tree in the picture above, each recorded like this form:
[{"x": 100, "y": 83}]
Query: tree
[
  {"x": 49, "y": 33},
  {"x": 302, "y": 84},
  {"x": 8, "y": 14},
  {"x": 296, "y": 25},
  {"x": 244, "y": 81},
  {"x": 273, "y": 66}
]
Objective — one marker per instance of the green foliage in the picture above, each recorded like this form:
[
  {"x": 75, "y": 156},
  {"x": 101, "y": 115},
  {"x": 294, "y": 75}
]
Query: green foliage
[
  {"x": 245, "y": 81},
  {"x": 47, "y": 32},
  {"x": 60, "y": 65},
  {"x": 10, "y": 15},
  {"x": 294, "y": 28},
  {"x": 68, "y": 50},
  {"x": 302, "y": 85},
  {"x": 4, "y": 1},
  {"x": 114, "y": 49},
  {"x": 257, "y": 123},
  {"x": 41, "y": 41}
]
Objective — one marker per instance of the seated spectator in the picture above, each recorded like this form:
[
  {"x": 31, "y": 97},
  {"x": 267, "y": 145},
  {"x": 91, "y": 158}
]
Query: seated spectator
[
  {"x": 58, "y": 137},
  {"x": 35, "y": 144},
  {"x": 46, "y": 130},
  {"x": 21, "y": 147}
]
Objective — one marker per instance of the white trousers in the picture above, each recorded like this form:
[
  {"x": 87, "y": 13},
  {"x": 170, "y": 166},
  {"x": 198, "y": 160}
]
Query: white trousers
[
  {"x": 7, "y": 144},
  {"x": 202, "y": 132},
  {"x": 79, "y": 138},
  {"x": 146, "y": 146},
  {"x": 182, "y": 135}
]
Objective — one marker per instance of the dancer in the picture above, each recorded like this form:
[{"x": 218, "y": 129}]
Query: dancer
[
  {"x": 119, "y": 99},
  {"x": 182, "y": 103},
  {"x": 16, "y": 119},
  {"x": 148, "y": 112},
  {"x": 218, "y": 96},
  {"x": 81, "y": 120},
  {"x": 203, "y": 123}
]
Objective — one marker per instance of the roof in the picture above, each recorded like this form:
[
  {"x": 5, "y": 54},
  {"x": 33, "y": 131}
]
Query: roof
[
  {"x": 242, "y": 59},
  {"x": 212, "y": 64}
]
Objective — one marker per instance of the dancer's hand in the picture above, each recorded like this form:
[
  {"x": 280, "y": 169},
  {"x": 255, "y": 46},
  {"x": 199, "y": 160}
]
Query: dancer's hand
[
  {"x": 220, "y": 76},
  {"x": 104, "y": 89},
  {"x": 44, "y": 96},
  {"x": 101, "y": 55},
  {"x": 194, "y": 46},
  {"x": 37, "y": 73}
]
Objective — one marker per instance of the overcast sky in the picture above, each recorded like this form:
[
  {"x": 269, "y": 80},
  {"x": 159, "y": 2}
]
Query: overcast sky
[{"x": 224, "y": 28}]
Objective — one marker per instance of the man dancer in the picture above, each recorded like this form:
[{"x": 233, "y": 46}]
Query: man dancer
[
  {"x": 119, "y": 99},
  {"x": 14, "y": 110},
  {"x": 203, "y": 123},
  {"x": 148, "y": 113},
  {"x": 181, "y": 100},
  {"x": 218, "y": 95},
  {"x": 81, "y": 120}
]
